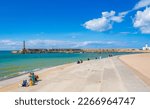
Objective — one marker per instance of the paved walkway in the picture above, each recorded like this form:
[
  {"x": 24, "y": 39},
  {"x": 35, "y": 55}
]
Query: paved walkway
[{"x": 106, "y": 75}]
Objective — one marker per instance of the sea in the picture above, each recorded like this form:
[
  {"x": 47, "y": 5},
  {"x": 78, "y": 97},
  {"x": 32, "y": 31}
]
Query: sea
[{"x": 12, "y": 65}]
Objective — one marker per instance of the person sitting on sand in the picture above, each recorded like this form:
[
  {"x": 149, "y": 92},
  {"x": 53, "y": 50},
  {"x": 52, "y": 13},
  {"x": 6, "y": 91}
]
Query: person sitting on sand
[
  {"x": 110, "y": 55},
  {"x": 33, "y": 78},
  {"x": 24, "y": 83},
  {"x": 78, "y": 62},
  {"x": 31, "y": 82}
]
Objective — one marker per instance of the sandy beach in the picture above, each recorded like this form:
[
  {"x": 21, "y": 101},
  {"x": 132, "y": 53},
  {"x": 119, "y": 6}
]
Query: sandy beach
[
  {"x": 129, "y": 73},
  {"x": 140, "y": 63}
]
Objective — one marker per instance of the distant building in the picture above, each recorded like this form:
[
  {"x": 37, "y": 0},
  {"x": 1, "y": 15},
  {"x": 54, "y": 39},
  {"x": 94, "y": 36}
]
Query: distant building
[{"x": 146, "y": 47}]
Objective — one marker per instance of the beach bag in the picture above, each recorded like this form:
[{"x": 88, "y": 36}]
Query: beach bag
[{"x": 36, "y": 77}]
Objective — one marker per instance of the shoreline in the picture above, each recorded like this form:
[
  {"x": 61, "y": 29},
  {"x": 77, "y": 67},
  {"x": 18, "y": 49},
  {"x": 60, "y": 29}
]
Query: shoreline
[
  {"x": 40, "y": 69},
  {"x": 21, "y": 73},
  {"x": 83, "y": 77},
  {"x": 18, "y": 79}
]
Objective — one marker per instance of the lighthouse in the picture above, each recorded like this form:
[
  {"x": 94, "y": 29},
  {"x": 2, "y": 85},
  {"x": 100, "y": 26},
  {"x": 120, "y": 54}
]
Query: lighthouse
[{"x": 24, "y": 47}]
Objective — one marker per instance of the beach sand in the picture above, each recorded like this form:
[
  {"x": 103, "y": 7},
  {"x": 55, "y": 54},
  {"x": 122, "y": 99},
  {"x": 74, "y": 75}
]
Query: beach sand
[
  {"x": 140, "y": 63},
  {"x": 105, "y": 75}
]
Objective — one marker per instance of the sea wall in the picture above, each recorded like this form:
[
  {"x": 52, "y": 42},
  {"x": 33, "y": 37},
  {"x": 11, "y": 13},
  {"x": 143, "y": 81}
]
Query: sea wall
[{"x": 28, "y": 51}]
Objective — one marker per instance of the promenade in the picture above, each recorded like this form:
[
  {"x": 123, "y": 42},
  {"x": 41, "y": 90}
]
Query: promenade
[{"x": 105, "y": 75}]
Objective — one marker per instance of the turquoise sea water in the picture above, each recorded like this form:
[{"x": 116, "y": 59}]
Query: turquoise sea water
[{"x": 15, "y": 64}]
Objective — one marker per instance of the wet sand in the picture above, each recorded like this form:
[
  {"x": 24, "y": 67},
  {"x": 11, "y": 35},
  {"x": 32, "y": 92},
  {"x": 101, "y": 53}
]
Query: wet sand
[{"x": 105, "y": 75}]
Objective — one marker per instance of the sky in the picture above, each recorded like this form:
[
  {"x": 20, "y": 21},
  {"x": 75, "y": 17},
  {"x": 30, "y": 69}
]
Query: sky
[{"x": 74, "y": 23}]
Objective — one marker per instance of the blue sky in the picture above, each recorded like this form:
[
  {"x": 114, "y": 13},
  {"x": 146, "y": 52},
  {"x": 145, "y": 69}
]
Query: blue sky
[{"x": 74, "y": 23}]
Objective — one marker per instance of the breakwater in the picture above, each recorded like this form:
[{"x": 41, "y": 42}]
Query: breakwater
[{"x": 31, "y": 51}]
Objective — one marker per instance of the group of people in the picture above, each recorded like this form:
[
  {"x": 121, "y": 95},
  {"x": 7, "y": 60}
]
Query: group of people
[
  {"x": 31, "y": 81},
  {"x": 110, "y": 55},
  {"x": 80, "y": 61}
]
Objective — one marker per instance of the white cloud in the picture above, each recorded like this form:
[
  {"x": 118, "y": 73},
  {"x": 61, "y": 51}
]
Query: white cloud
[
  {"x": 11, "y": 44},
  {"x": 125, "y": 32},
  {"x": 90, "y": 43},
  {"x": 142, "y": 21},
  {"x": 141, "y": 4},
  {"x": 62, "y": 44},
  {"x": 100, "y": 24},
  {"x": 44, "y": 42},
  {"x": 108, "y": 14},
  {"x": 8, "y": 42},
  {"x": 105, "y": 22}
]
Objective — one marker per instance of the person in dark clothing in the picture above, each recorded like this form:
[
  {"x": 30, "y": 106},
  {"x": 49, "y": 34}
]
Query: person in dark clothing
[
  {"x": 78, "y": 62},
  {"x": 24, "y": 83}
]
